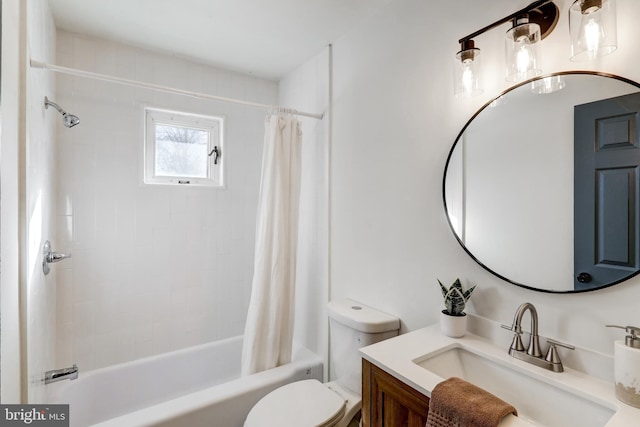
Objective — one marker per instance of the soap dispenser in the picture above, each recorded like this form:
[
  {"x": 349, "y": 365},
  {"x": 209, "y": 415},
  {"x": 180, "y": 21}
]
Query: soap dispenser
[{"x": 627, "y": 366}]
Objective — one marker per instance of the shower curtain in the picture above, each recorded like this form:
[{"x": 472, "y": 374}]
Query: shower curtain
[{"x": 268, "y": 332}]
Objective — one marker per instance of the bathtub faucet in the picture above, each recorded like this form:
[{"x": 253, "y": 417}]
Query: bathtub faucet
[{"x": 61, "y": 374}]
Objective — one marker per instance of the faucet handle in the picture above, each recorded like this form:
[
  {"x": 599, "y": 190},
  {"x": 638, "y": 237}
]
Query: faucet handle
[
  {"x": 516, "y": 344},
  {"x": 559, "y": 343},
  {"x": 513, "y": 328},
  {"x": 552, "y": 353}
]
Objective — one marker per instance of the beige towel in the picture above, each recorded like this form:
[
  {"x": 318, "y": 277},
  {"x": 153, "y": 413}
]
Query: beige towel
[{"x": 457, "y": 403}]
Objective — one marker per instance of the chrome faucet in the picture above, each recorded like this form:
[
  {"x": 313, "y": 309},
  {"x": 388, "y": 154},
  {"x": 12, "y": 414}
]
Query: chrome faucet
[
  {"x": 61, "y": 374},
  {"x": 533, "y": 354}
]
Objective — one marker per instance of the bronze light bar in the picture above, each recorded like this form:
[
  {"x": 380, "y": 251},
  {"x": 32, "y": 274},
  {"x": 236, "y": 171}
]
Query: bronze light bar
[{"x": 542, "y": 12}]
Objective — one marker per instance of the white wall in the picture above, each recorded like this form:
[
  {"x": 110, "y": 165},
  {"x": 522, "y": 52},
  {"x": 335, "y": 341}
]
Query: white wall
[
  {"x": 11, "y": 169},
  {"x": 307, "y": 89},
  {"x": 395, "y": 119},
  {"x": 154, "y": 268}
]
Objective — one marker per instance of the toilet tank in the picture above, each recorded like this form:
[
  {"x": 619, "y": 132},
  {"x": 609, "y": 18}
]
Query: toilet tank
[{"x": 353, "y": 325}]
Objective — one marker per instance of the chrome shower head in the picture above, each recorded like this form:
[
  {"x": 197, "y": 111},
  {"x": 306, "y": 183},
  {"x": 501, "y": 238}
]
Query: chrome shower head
[{"x": 69, "y": 120}]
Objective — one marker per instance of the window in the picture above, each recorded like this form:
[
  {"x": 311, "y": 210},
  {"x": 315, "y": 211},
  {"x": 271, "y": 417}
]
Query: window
[{"x": 183, "y": 149}]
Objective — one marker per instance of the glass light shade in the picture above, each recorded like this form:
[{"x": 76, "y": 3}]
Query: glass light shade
[
  {"x": 467, "y": 73},
  {"x": 522, "y": 51},
  {"x": 499, "y": 101},
  {"x": 593, "y": 29},
  {"x": 548, "y": 85}
]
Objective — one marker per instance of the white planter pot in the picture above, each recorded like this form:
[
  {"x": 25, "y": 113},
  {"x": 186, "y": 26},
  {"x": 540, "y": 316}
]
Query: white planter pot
[{"x": 453, "y": 326}]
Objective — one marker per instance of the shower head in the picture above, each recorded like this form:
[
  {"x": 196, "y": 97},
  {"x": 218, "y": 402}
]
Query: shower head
[{"x": 69, "y": 120}]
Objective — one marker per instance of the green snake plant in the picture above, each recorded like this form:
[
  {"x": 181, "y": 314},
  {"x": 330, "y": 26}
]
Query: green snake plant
[{"x": 455, "y": 298}]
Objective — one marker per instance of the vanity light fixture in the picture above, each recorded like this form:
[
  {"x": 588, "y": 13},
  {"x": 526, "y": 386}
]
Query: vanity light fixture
[
  {"x": 467, "y": 71},
  {"x": 529, "y": 26},
  {"x": 522, "y": 50},
  {"x": 592, "y": 25}
]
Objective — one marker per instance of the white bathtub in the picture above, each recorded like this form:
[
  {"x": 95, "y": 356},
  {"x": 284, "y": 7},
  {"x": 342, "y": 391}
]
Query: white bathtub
[{"x": 198, "y": 386}]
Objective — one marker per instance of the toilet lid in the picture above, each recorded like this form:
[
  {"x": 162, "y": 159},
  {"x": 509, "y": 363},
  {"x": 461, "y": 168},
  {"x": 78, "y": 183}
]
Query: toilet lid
[{"x": 302, "y": 403}]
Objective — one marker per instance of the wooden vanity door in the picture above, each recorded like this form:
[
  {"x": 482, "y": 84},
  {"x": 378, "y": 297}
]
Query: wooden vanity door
[{"x": 388, "y": 402}]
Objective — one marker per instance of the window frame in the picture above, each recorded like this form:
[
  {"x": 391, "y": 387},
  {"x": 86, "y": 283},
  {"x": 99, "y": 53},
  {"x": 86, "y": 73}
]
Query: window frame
[{"x": 214, "y": 125}]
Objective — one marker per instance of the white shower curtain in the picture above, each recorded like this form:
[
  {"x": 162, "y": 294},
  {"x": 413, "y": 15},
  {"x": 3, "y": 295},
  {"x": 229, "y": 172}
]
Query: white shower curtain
[{"x": 268, "y": 332}]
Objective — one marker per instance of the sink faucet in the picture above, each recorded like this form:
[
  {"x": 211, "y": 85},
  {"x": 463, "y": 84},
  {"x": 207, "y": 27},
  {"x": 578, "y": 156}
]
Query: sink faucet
[
  {"x": 533, "y": 354},
  {"x": 534, "y": 342}
]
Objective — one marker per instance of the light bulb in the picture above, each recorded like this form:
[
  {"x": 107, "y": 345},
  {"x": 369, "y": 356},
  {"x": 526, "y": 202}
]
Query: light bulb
[
  {"x": 523, "y": 59},
  {"x": 467, "y": 77},
  {"x": 591, "y": 33},
  {"x": 522, "y": 55}
]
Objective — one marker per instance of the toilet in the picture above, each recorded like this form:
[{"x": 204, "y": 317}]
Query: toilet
[{"x": 310, "y": 403}]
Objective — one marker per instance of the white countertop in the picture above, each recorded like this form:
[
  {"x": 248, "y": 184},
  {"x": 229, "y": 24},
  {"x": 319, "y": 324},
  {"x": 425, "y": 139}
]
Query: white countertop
[{"x": 396, "y": 356}]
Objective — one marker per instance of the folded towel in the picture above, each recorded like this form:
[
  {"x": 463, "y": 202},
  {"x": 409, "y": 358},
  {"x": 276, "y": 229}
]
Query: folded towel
[{"x": 457, "y": 403}]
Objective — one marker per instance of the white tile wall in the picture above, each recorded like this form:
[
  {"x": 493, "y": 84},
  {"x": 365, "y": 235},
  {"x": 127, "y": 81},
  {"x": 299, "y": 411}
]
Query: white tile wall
[
  {"x": 40, "y": 195},
  {"x": 154, "y": 268}
]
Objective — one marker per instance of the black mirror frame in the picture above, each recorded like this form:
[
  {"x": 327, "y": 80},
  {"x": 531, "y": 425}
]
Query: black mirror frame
[{"x": 446, "y": 167}]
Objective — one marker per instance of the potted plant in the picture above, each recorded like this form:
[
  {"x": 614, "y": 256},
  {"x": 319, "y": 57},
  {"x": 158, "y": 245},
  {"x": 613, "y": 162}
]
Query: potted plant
[{"x": 453, "y": 320}]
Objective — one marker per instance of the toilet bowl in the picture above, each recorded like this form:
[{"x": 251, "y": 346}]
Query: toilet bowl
[{"x": 310, "y": 403}]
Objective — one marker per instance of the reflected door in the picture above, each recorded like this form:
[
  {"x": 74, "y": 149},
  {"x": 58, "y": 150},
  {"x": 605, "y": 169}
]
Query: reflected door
[{"x": 606, "y": 185}]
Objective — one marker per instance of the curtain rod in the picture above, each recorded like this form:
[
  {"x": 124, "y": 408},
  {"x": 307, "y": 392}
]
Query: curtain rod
[{"x": 104, "y": 77}]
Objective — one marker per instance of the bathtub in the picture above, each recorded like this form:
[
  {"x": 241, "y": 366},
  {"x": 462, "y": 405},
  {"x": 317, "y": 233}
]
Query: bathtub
[{"x": 197, "y": 386}]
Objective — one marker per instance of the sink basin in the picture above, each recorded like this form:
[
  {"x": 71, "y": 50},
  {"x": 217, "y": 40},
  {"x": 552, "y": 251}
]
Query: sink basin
[{"x": 537, "y": 399}]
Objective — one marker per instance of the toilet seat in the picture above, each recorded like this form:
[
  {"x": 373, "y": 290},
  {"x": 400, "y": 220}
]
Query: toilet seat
[{"x": 301, "y": 403}]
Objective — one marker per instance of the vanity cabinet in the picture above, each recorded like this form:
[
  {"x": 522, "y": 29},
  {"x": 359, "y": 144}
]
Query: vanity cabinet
[{"x": 388, "y": 402}]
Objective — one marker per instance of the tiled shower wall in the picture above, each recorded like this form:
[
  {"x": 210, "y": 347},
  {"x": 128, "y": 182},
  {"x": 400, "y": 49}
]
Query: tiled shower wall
[
  {"x": 40, "y": 199},
  {"x": 154, "y": 268}
]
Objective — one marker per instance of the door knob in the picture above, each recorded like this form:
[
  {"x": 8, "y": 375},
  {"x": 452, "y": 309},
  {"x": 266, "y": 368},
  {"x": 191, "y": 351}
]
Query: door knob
[{"x": 584, "y": 277}]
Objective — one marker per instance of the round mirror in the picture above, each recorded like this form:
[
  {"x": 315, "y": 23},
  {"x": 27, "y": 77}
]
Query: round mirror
[{"x": 541, "y": 186}]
